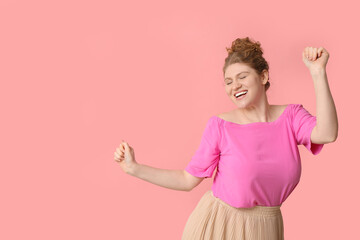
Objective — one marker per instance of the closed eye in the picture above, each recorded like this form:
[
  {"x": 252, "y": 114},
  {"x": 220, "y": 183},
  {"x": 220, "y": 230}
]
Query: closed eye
[{"x": 231, "y": 82}]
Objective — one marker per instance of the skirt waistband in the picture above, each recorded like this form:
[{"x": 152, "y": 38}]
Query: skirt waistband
[{"x": 256, "y": 210}]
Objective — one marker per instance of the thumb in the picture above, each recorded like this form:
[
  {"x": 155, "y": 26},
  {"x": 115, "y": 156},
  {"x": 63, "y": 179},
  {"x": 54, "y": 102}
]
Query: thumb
[
  {"x": 319, "y": 52},
  {"x": 126, "y": 145}
]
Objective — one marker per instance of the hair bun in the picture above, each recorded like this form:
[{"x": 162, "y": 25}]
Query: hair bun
[
  {"x": 244, "y": 45},
  {"x": 248, "y": 52}
]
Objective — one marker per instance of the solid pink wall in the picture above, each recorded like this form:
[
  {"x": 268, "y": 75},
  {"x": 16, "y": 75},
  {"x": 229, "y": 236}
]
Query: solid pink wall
[{"x": 77, "y": 77}]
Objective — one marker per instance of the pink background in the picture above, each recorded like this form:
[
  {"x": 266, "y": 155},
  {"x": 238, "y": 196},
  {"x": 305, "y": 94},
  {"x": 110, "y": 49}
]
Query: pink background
[{"x": 77, "y": 77}]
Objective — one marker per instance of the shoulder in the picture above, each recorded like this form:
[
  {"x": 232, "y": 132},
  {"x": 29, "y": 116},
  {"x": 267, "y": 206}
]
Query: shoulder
[
  {"x": 227, "y": 116},
  {"x": 298, "y": 108},
  {"x": 282, "y": 108}
]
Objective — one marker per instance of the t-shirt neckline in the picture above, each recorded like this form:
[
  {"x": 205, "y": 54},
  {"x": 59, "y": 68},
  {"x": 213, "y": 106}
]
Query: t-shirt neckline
[{"x": 257, "y": 123}]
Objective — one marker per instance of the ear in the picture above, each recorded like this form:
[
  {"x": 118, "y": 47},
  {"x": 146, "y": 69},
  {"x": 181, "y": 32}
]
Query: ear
[{"x": 264, "y": 76}]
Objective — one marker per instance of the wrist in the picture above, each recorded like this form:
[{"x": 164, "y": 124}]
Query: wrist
[
  {"x": 319, "y": 71},
  {"x": 132, "y": 169}
]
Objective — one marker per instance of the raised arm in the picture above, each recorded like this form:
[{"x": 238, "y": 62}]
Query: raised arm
[{"x": 326, "y": 129}]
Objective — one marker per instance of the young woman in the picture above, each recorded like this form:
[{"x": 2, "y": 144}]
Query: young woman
[{"x": 254, "y": 148}]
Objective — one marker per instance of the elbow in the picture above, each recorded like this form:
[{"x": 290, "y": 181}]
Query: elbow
[
  {"x": 188, "y": 188},
  {"x": 334, "y": 135},
  {"x": 191, "y": 181},
  {"x": 333, "y": 138}
]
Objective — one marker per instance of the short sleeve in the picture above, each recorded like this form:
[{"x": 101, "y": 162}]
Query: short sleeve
[
  {"x": 303, "y": 124},
  {"x": 207, "y": 155}
]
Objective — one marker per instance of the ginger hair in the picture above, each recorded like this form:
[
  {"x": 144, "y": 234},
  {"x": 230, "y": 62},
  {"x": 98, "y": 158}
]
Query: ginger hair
[{"x": 249, "y": 52}]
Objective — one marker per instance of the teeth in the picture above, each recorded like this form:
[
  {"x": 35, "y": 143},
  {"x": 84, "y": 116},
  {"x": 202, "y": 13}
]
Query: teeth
[{"x": 241, "y": 93}]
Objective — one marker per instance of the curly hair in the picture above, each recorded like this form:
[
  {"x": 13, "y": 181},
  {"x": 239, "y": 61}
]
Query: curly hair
[{"x": 244, "y": 50}]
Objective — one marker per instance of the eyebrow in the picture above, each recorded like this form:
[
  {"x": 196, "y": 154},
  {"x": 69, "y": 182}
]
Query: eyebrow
[{"x": 236, "y": 75}]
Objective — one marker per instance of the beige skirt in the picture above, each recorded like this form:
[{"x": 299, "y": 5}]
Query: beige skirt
[{"x": 215, "y": 219}]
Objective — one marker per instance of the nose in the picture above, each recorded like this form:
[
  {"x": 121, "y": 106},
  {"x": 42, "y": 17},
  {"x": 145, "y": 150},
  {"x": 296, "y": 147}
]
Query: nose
[{"x": 237, "y": 84}]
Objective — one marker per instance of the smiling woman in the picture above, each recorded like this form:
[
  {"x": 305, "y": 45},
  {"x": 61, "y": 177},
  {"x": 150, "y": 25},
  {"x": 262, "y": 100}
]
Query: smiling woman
[
  {"x": 234, "y": 208},
  {"x": 248, "y": 52},
  {"x": 246, "y": 81},
  {"x": 253, "y": 149}
]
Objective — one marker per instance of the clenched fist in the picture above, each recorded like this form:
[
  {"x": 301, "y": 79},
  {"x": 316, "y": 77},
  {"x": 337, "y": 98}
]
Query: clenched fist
[
  {"x": 315, "y": 58},
  {"x": 125, "y": 156}
]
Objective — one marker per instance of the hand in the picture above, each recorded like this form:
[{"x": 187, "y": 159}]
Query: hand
[
  {"x": 315, "y": 58},
  {"x": 125, "y": 155}
]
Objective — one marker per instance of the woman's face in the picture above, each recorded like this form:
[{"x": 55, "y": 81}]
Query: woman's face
[{"x": 239, "y": 77}]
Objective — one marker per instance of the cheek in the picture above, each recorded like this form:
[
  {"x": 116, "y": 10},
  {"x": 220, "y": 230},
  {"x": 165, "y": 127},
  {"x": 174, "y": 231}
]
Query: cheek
[
  {"x": 229, "y": 94},
  {"x": 227, "y": 90}
]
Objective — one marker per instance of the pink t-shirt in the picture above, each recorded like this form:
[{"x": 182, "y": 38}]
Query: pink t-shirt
[{"x": 257, "y": 163}]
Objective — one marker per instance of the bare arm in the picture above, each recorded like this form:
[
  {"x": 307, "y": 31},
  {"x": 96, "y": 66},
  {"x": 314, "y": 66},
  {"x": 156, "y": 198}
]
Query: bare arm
[
  {"x": 173, "y": 179},
  {"x": 326, "y": 129}
]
